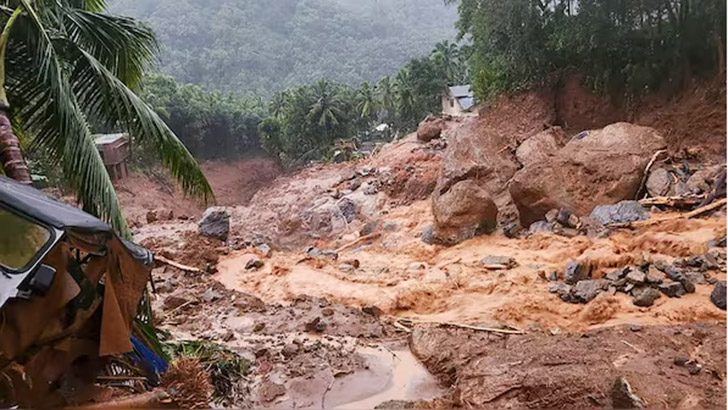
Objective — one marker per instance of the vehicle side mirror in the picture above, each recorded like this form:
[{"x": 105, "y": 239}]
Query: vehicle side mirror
[{"x": 42, "y": 279}]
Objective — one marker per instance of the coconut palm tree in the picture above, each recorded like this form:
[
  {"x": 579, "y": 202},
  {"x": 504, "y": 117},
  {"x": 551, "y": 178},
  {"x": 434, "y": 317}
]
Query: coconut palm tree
[
  {"x": 365, "y": 101},
  {"x": 327, "y": 111},
  {"x": 65, "y": 64},
  {"x": 385, "y": 91},
  {"x": 447, "y": 56}
]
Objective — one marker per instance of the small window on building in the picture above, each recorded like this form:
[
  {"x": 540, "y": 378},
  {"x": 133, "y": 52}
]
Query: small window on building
[{"x": 452, "y": 103}]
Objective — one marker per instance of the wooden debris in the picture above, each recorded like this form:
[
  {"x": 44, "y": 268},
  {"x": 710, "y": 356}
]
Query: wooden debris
[
  {"x": 364, "y": 238},
  {"x": 495, "y": 267},
  {"x": 511, "y": 331},
  {"x": 686, "y": 215},
  {"x": 647, "y": 172},
  {"x": 682, "y": 201},
  {"x": 174, "y": 264}
]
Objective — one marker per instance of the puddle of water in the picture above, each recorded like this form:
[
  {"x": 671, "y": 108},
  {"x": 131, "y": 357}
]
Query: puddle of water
[{"x": 392, "y": 375}]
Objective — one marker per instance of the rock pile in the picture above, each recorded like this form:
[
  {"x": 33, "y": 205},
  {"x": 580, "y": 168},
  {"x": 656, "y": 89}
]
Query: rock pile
[{"x": 644, "y": 283}]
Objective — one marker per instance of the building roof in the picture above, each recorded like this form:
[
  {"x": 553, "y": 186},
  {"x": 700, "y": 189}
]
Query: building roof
[
  {"x": 464, "y": 95},
  {"x": 103, "y": 139},
  {"x": 459, "y": 91}
]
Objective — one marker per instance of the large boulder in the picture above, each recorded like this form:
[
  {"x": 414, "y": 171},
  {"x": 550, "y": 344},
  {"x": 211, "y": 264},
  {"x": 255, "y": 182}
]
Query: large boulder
[
  {"x": 594, "y": 168},
  {"x": 540, "y": 146},
  {"x": 215, "y": 223},
  {"x": 462, "y": 211},
  {"x": 430, "y": 128},
  {"x": 477, "y": 154}
]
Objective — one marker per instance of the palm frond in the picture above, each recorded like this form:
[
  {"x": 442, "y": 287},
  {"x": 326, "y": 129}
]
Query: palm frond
[
  {"x": 104, "y": 97},
  {"x": 52, "y": 113},
  {"x": 123, "y": 45}
]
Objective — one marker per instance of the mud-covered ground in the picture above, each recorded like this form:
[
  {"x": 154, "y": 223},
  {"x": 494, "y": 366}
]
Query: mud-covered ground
[{"x": 328, "y": 286}]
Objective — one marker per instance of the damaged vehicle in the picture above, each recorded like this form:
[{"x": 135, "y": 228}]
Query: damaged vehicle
[{"x": 69, "y": 292}]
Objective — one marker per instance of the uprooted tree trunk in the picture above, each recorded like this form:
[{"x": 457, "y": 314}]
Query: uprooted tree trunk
[{"x": 11, "y": 158}]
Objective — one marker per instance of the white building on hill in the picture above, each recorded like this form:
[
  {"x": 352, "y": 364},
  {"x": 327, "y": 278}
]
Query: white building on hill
[{"x": 458, "y": 100}]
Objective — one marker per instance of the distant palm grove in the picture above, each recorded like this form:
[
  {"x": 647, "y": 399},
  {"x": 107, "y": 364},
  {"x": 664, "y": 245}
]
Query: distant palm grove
[{"x": 300, "y": 75}]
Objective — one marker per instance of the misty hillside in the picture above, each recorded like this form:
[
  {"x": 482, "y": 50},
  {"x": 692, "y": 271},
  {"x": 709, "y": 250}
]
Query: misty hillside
[{"x": 259, "y": 47}]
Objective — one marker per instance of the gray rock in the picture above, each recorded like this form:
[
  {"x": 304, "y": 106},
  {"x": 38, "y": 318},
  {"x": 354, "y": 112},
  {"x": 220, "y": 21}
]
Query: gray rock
[
  {"x": 506, "y": 261},
  {"x": 289, "y": 350},
  {"x": 635, "y": 276},
  {"x": 586, "y": 290},
  {"x": 672, "y": 289},
  {"x": 566, "y": 218},
  {"x": 210, "y": 295},
  {"x": 390, "y": 226},
  {"x": 370, "y": 189},
  {"x": 265, "y": 250},
  {"x": 623, "y": 211},
  {"x": 659, "y": 182},
  {"x": 553, "y": 276},
  {"x": 428, "y": 235},
  {"x": 718, "y": 295},
  {"x": 696, "y": 277},
  {"x": 645, "y": 297},
  {"x": 254, "y": 263},
  {"x": 540, "y": 226},
  {"x": 654, "y": 275},
  {"x": 623, "y": 397},
  {"x": 215, "y": 223},
  {"x": 551, "y": 215},
  {"x": 576, "y": 271},
  {"x": 561, "y": 289},
  {"x": 348, "y": 209},
  {"x": 616, "y": 274}
]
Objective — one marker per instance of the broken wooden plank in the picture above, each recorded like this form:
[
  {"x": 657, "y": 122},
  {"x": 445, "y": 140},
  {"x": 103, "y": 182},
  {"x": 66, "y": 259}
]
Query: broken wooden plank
[
  {"x": 673, "y": 201},
  {"x": 174, "y": 264},
  {"x": 646, "y": 173},
  {"x": 686, "y": 215}
]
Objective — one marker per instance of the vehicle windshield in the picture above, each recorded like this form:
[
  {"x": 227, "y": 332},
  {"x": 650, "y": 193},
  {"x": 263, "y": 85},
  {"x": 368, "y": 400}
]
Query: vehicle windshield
[{"x": 20, "y": 240}]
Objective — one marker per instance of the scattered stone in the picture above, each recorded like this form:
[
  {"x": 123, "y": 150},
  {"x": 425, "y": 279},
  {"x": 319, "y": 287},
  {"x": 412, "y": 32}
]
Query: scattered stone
[
  {"x": 258, "y": 327},
  {"x": 265, "y": 250},
  {"x": 354, "y": 185},
  {"x": 348, "y": 209},
  {"x": 586, "y": 290},
  {"x": 681, "y": 360},
  {"x": 369, "y": 228},
  {"x": 254, "y": 263},
  {"x": 623, "y": 397},
  {"x": 497, "y": 260},
  {"x": 316, "y": 325},
  {"x": 215, "y": 223},
  {"x": 718, "y": 295},
  {"x": 553, "y": 276},
  {"x": 390, "y": 226},
  {"x": 551, "y": 215},
  {"x": 540, "y": 226},
  {"x": 210, "y": 295},
  {"x": 561, "y": 289},
  {"x": 428, "y": 235},
  {"x": 417, "y": 266},
  {"x": 616, "y": 274},
  {"x": 511, "y": 229},
  {"x": 717, "y": 242},
  {"x": 290, "y": 350},
  {"x": 654, "y": 275},
  {"x": 326, "y": 312},
  {"x": 172, "y": 302},
  {"x": 576, "y": 271},
  {"x": 645, "y": 297},
  {"x": 352, "y": 262},
  {"x": 635, "y": 328},
  {"x": 635, "y": 276},
  {"x": 659, "y": 182},
  {"x": 623, "y": 211},
  {"x": 694, "y": 368},
  {"x": 672, "y": 289},
  {"x": 697, "y": 278},
  {"x": 567, "y": 219},
  {"x": 430, "y": 128},
  {"x": 372, "y": 310},
  {"x": 151, "y": 216},
  {"x": 371, "y": 188},
  {"x": 268, "y": 391}
]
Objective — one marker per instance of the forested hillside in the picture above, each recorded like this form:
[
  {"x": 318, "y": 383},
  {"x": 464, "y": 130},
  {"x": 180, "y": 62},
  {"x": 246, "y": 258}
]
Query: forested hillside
[{"x": 257, "y": 47}]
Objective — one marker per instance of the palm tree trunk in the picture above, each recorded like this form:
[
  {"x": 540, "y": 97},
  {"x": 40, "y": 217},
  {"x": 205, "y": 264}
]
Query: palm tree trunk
[{"x": 11, "y": 158}]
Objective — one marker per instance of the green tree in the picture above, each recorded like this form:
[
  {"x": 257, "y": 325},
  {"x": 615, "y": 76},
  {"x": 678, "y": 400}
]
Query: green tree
[
  {"x": 65, "y": 64},
  {"x": 328, "y": 111}
]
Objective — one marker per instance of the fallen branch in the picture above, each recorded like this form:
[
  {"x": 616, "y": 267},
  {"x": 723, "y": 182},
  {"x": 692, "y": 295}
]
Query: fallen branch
[
  {"x": 152, "y": 399},
  {"x": 673, "y": 201},
  {"x": 358, "y": 241},
  {"x": 647, "y": 172},
  {"x": 174, "y": 264},
  {"x": 513, "y": 331},
  {"x": 495, "y": 267},
  {"x": 686, "y": 215}
]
